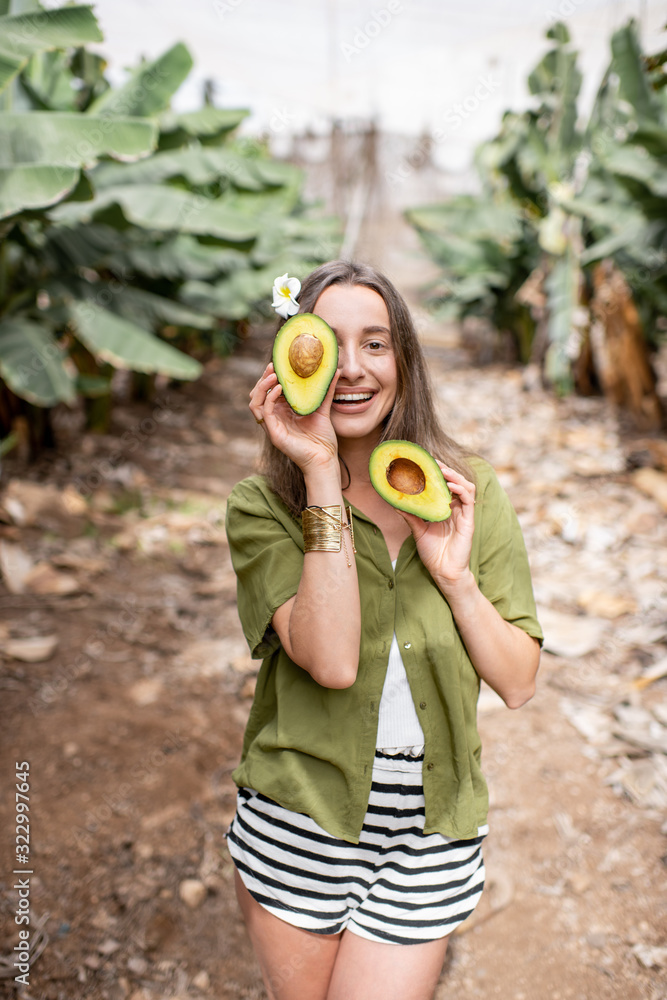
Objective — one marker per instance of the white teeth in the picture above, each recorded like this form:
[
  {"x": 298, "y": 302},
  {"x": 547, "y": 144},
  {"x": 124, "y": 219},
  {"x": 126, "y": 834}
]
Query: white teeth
[{"x": 352, "y": 397}]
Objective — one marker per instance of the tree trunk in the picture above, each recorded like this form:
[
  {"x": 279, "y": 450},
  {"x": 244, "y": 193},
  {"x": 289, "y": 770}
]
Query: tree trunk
[{"x": 620, "y": 350}]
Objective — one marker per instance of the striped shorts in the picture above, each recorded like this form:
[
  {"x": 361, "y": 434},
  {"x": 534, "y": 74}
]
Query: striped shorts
[{"x": 396, "y": 885}]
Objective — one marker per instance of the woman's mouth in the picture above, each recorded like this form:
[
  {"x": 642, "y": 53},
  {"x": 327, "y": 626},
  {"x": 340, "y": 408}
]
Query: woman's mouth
[{"x": 347, "y": 398}]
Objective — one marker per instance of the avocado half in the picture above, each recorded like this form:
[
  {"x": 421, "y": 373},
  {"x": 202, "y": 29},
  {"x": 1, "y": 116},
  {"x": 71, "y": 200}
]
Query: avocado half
[
  {"x": 407, "y": 477},
  {"x": 305, "y": 358}
]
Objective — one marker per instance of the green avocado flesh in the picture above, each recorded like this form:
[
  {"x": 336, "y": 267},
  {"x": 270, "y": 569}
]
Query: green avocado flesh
[
  {"x": 407, "y": 477},
  {"x": 305, "y": 358}
]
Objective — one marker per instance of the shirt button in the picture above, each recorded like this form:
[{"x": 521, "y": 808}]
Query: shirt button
[
  {"x": 430, "y": 767},
  {"x": 407, "y": 645},
  {"x": 422, "y": 704},
  {"x": 391, "y": 585}
]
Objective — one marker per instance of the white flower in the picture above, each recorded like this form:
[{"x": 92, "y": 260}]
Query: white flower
[{"x": 285, "y": 291}]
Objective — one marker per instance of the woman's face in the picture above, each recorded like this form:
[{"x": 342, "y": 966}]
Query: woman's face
[{"x": 366, "y": 389}]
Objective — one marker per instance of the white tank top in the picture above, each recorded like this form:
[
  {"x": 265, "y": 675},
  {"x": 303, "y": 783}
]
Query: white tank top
[{"x": 398, "y": 723}]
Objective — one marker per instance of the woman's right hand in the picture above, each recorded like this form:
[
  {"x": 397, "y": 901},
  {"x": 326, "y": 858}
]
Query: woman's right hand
[{"x": 310, "y": 441}]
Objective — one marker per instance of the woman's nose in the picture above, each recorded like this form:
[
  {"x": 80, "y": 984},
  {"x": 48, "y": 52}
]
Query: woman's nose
[{"x": 350, "y": 362}]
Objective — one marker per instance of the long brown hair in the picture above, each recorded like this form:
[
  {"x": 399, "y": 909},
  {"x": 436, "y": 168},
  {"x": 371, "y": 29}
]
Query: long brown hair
[{"x": 413, "y": 416}]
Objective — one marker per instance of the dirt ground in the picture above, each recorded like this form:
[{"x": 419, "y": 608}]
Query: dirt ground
[{"x": 133, "y": 723}]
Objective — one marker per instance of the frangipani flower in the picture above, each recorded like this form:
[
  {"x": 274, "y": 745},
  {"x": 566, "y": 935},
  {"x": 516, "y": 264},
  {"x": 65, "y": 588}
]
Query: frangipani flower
[{"x": 285, "y": 291}]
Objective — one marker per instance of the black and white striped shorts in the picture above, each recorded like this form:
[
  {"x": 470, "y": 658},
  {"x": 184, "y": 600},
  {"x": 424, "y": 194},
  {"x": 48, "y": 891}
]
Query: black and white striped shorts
[{"x": 396, "y": 885}]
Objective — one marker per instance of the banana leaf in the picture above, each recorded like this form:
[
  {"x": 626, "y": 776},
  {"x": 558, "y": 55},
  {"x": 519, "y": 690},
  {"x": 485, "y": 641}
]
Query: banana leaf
[
  {"x": 125, "y": 345},
  {"x": 627, "y": 239},
  {"x": 45, "y": 84},
  {"x": 150, "y": 310},
  {"x": 309, "y": 239},
  {"x": 199, "y": 166},
  {"x": 223, "y": 299},
  {"x": 31, "y": 363},
  {"x": 470, "y": 215},
  {"x": 269, "y": 243},
  {"x": 138, "y": 305},
  {"x": 537, "y": 163},
  {"x": 41, "y": 153},
  {"x": 150, "y": 88},
  {"x": 24, "y": 35},
  {"x": 274, "y": 173},
  {"x": 233, "y": 297},
  {"x": 182, "y": 257},
  {"x": 206, "y": 123},
  {"x": 498, "y": 152},
  {"x": 476, "y": 286},
  {"x": 70, "y": 139},
  {"x": 32, "y": 186},
  {"x": 652, "y": 136},
  {"x": 634, "y": 86},
  {"x": 164, "y": 208},
  {"x": 70, "y": 248},
  {"x": 601, "y": 209},
  {"x": 284, "y": 240},
  {"x": 254, "y": 283},
  {"x": 270, "y": 203},
  {"x": 557, "y": 74},
  {"x": 635, "y": 162}
]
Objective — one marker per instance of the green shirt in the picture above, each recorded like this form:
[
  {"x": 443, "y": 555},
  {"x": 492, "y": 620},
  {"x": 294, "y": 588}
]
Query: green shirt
[{"x": 310, "y": 748}]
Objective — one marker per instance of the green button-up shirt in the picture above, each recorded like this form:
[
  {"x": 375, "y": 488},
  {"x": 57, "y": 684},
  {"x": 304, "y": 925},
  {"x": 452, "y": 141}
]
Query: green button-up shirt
[{"x": 311, "y": 748}]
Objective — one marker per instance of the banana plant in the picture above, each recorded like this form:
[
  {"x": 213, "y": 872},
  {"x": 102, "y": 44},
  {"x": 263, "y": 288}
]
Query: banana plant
[
  {"x": 126, "y": 222},
  {"x": 47, "y": 148},
  {"x": 26, "y": 30},
  {"x": 42, "y": 155},
  {"x": 579, "y": 194}
]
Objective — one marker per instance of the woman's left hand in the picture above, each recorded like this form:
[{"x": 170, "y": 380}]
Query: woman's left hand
[{"x": 444, "y": 546}]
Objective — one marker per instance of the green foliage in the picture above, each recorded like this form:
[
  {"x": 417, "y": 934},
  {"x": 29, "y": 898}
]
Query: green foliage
[
  {"x": 558, "y": 196},
  {"x": 43, "y": 383},
  {"x": 123, "y": 222},
  {"x": 24, "y": 35},
  {"x": 42, "y": 153}
]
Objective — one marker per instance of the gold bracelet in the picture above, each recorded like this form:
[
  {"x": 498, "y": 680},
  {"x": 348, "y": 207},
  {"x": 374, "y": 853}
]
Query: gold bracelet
[{"x": 323, "y": 529}]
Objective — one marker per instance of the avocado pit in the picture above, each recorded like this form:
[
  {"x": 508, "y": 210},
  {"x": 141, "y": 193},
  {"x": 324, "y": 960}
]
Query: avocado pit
[
  {"x": 305, "y": 354},
  {"x": 406, "y": 476}
]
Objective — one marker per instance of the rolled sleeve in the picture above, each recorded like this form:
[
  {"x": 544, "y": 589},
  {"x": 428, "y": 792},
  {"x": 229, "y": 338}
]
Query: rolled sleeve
[
  {"x": 503, "y": 572},
  {"x": 266, "y": 550}
]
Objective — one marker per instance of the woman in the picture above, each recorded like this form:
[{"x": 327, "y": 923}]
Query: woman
[{"x": 361, "y": 810}]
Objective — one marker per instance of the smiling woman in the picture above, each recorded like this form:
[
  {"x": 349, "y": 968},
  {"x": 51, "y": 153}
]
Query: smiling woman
[
  {"x": 362, "y": 806},
  {"x": 366, "y": 389},
  {"x": 412, "y": 418}
]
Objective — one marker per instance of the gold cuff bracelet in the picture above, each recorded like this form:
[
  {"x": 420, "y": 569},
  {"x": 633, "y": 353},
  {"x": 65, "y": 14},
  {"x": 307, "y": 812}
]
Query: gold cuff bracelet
[{"x": 323, "y": 529}]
